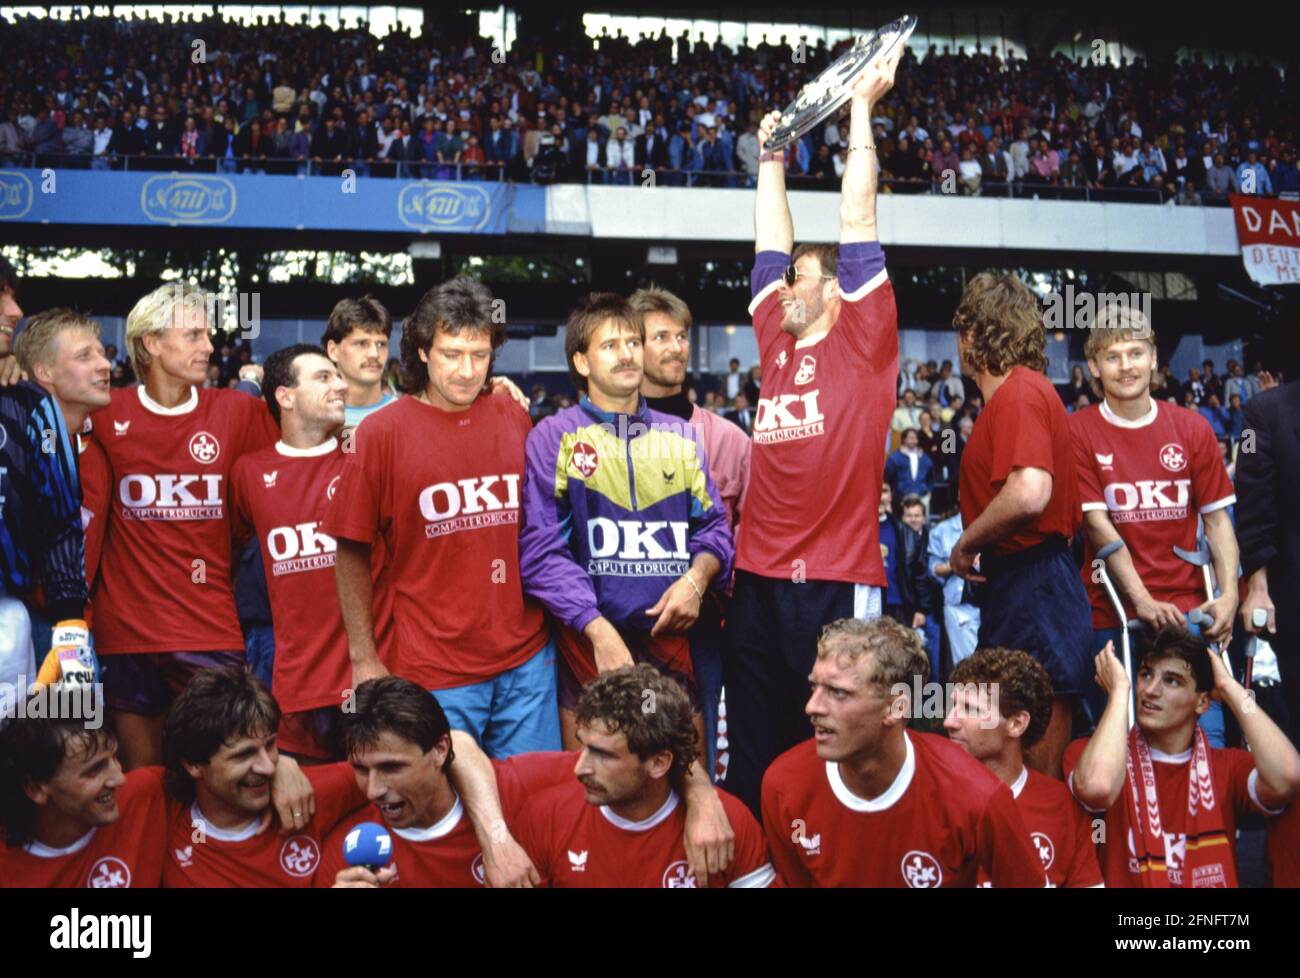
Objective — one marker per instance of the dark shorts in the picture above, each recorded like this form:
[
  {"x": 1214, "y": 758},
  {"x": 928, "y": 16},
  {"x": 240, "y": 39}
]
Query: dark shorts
[
  {"x": 312, "y": 733},
  {"x": 1034, "y": 601},
  {"x": 576, "y": 664},
  {"x": 147, "y": 682}
]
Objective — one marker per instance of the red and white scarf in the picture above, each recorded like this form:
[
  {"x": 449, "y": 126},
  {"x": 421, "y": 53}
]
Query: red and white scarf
[{"x": 1207, "y": 854}]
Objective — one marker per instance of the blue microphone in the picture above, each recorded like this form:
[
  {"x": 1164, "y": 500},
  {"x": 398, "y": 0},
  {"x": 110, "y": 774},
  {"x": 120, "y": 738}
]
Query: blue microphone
[{"x": 369, "y": 845}]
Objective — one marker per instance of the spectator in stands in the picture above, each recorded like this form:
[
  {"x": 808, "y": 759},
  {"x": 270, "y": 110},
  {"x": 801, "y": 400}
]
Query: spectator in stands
[
  {"x": 1194, "y": 387},
  {"x": 1220, "y": 181},
  {"x": 741, "y": 414},
  {"x": 1238, "y": 385},
  {"x": 78, "y": 141},
  {"x": 747, "y": 151},
  {"x": 1285, "y": 177},
  {"x": 1252, "y": 176},
  {"x": 1076, "y": 388},
  {"x": 1188, "y": 195},
  {"x": 1218, "y": 416},
  {"x": 1236, "y": 417},
  {"x": 906, "y": 414},
  {"x": 909, "y": 470},
  {"x": 961, "y": 618},
  {"x": 969, "y": 173},
  {"x": 945, "y": 162},
  {"x": 191, "y": 144},
  {"x": 903, "y": 546}
]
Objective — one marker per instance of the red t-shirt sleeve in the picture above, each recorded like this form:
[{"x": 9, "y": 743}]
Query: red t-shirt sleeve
[
  {"x": 241, "y": 523},
  {"x": 1210, "y": 482},
  {"x": 776, "y": 830},
  {"x": 337, "y": 793},
  {"x": 96, "y": 474},
  {"x": 1024, "y": 434},
  {"x": 1003, "y": 845},
  {"x": 1084, "y": 869},
  {"x": 1085, "y": 467},
  {"x": 524, "y": 775},
  {"x": 750, "y": 867},
  {"x": 357, "y": 508}
]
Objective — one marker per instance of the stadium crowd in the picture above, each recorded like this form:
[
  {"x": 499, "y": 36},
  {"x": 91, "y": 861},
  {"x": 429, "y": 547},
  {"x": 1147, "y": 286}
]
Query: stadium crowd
[
  {"x": 278, "y": 97},
  {"x": 498, "y": 644}
]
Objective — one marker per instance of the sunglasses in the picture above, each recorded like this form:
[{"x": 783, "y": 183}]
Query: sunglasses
[{"x": 791, "y": 275}]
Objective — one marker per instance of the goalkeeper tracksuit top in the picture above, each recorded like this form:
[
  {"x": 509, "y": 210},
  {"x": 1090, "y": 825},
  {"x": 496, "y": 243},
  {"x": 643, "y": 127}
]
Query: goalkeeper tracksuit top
[{"x": 616, "y": 506}]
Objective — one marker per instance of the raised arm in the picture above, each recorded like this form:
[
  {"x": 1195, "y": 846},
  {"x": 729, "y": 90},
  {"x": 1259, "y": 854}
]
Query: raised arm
[
  {"x": 505, "y": 864},
  {"x": 858, "y": 189},
  {"x": 1098, "y": 778},
  {"x": 773, "y": 226}
]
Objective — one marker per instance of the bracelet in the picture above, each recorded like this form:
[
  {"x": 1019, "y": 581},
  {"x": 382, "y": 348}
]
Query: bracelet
[
  {"x": 694, "y": 587},
  {"x": 852, "y": 148}
]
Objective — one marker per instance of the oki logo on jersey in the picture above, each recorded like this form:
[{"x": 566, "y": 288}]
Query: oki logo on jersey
[
  {"x": 787, "y": 417},
  {"x": 633, "y": 548},
  {"x": 585, "y": 459},
  {"x": 300, "y": 856},
  {"x": 1147, "y": 500},
  {"x": 301, "y": 547},
  {"x": 204, "y": 448},
  {"x": 807, "y": 367},
  {"x": 469, "y": 504},
  {"x": 171, "y": 497},
  {"x": 109, "y": 873},
  {"x": 921, "y": 871},
  {"x": 1046, "y": 851},
  {"x": 678, "y": 876}
]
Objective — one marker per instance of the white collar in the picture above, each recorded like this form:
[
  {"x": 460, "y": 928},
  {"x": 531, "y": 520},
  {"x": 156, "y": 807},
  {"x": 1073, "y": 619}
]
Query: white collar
[
  {"x": 155, "y": 408},
  {"x": 888, "y": 797},
  {"x": 240, "y": 834},
  {"x": 619, "y": 822},
  {"x": 811, "y": 340},
  {"x": 1019, "y": 784},
  {"x": 42, "y": 851},
  {"x": 1161, "y": 757},
  {"x": 438, "y": 829},
  {"x": 324, "y": 448},
  {"x": 1141, "y": 422}
]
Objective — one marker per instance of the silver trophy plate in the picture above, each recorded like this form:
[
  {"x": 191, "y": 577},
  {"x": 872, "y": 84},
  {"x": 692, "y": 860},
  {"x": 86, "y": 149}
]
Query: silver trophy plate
[{"x": 824, "y": 95}]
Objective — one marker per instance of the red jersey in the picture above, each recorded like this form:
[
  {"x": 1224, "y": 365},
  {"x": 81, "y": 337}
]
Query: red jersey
[
  {"x": 1152, "y": 476},
  {"x": 94, "y": 470},
  {"x": 1024, "y": 425},
  {"x": 441, "y": 490},
  {"x": 824, "y": 416},
  {"x": 1284, "y": 847},
  {"x": 1234, "y": 776},
  {"x": 1059, "y": 830},
  {"x": 943, "y": 819},
  {"x": 447, "y": 853},
  {"x": 575, "y": 844},
  {"x": 165, "y": 582},
  {"x": 129, "y": 852},
  {"x": 257, "y": 855},
  {"x": 283, "y": 494}
]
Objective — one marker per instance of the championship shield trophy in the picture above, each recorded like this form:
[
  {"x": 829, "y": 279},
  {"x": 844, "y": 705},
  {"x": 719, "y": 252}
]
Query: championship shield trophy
[{"x": 824, "y": 95}]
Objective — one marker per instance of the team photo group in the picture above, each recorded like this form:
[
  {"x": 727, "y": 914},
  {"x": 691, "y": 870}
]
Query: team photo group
[{"x": 630, "y": 642}]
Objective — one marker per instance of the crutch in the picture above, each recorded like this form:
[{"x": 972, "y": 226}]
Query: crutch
[{"x": 1102, "y": 555}]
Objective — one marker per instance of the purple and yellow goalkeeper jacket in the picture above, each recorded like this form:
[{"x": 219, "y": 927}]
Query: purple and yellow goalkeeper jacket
[{"x": 616, "y": 507}]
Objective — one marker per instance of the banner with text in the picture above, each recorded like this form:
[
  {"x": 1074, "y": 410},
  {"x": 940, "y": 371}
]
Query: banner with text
[{"x": 1269, "y": 232}]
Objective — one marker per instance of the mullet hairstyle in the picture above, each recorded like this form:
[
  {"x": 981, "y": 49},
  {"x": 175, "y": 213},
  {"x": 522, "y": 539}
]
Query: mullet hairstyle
[
  {"x": 37, "y": 342},
  {"x": 896, "y": 652},
  {"x": 31, "y": 752},
  {"x": 154, "y": 313},
  {"x": 1118, "y": 324},
  {"x": 1002, "y": 323},
  {"x": 398, "y": 706},
  {"x": 590, "y": 314},
  {"x": 280, "y": 371},
  {"x": 1022, "y": 684},
  {"x": 618, "y": 699},
  {"x": 367, "y": 314},
  {"x": 218, "y": 705},
  {"x": 460, "y": 305},
  {"x": 654, "y": 299}
]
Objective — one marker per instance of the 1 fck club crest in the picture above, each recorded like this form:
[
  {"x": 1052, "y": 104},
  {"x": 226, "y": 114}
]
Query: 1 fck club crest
[
  {"x": 585, "y": 459},
  {"x": 1173, "y": 457},
  {"x": 204, "y": 448},
  {"x": 807, "y": 368}
]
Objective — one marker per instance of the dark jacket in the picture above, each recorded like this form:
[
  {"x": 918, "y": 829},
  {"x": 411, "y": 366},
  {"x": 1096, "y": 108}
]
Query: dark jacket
[
  {"x": 1268, "y": 524},
  {"x": 914, "y": 588}
]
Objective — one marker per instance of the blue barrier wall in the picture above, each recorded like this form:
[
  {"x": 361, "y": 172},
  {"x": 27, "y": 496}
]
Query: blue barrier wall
[{"x": 265, "y": 201}]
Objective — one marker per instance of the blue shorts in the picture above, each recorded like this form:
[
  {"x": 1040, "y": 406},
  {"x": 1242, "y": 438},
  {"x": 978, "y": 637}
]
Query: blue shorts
[
  {"x": 513, "y": 713},
  {"x": 1034, "y": 601}
]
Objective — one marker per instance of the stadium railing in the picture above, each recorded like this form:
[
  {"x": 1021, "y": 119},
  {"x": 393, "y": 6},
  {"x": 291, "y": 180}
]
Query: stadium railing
[{"x": 493, "y": 170}]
